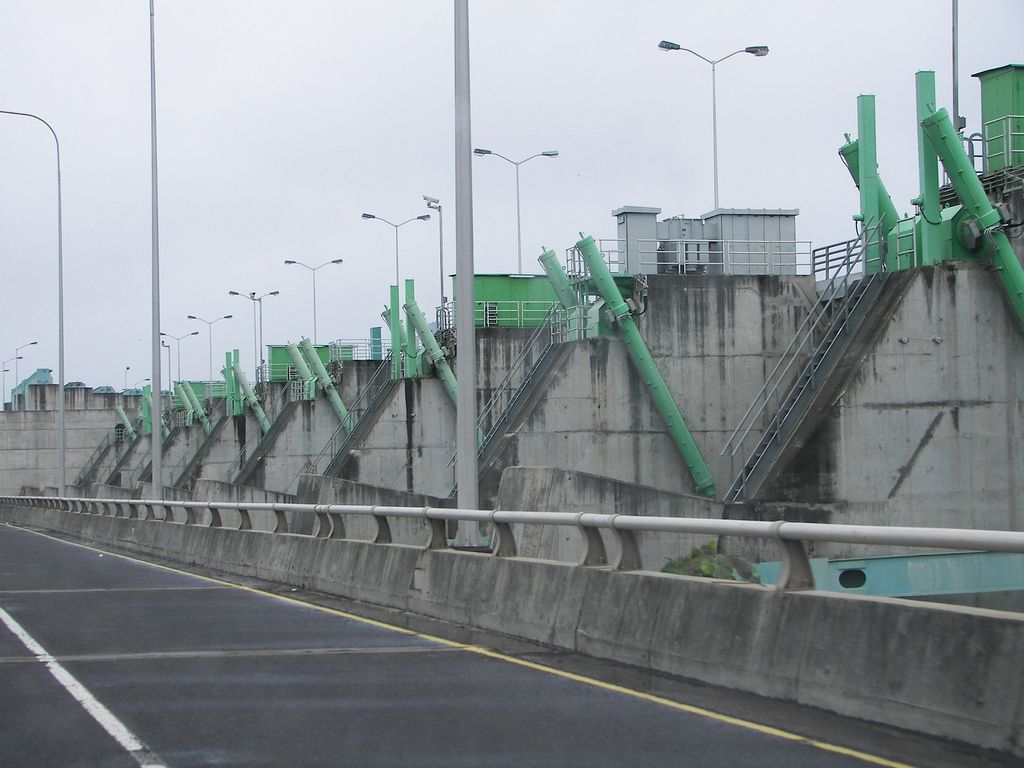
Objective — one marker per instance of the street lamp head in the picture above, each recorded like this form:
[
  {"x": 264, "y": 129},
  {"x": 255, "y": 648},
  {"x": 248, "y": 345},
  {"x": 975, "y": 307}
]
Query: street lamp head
[
  {"x": 31, "y": 343},
  {"x": 369, "y": 216},
  {"x": 550, "y": 153},
  {"x": 430, "y": 200},
  {"x": 226, "y": 317},
  {"x": 191, "y": 317},
  {"x": 289, "y": 261},
  {"x": 164, "y": 334},
  {"x": 234, "y": 293},
  {"x": 757, "y": 50},
  {"x": 337, "y": 261},
  {"x": 478, "y": 151},
  {"x": 194, "y": 333},
  {"x": 667, "y": 45},
  {"x": 424, "y": 217},
  {"x": 274, "y": 293}
]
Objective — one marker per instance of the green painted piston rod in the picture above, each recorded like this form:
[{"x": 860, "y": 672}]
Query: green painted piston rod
[
  {"x": 129, "y": 429},
  {"x": 940, "y": 132},
  {"x": 559, "y": 280},
  {"x": 197, "y": 407},
  {"x": 307, "y": 377},
  {"x": 703, "y": 483},
  {"x": 190, "y": 411},
  {"x": 324, "y": 379},
  {"x": 250, "y": 398}
]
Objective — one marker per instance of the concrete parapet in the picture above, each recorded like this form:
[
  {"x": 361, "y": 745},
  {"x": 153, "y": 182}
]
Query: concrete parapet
[{"x": 942, "y": 670}]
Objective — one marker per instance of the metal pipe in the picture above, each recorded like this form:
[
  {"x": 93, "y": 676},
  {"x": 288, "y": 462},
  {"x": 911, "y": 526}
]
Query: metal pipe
[
  {"x": 444, "y": 371},
  {"x": 250, "y": 398},
  {"x": 559, "y": 280},
  {"x": 850, "y": 155},
  {"x": 325, "y": 382},
  {"x": 158, "y": 476},
  {"x": 465, "y": 330},
  {"x": 944, "y": 138},
  {"x": 930, "y": 249},
  {"x": 129, "y": 428},
  {"x": 395, "y": 328},
  {"x": 197, "y": 407},
  {"x": 703, "y": 483}
]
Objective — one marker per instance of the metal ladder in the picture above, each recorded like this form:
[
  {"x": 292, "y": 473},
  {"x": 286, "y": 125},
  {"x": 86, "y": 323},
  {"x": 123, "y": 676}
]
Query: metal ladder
[{"x": 804, "y": 366}]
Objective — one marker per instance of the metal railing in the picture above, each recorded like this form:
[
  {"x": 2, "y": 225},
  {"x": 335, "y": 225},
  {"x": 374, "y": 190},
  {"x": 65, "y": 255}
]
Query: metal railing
[
  {"x": 778, "y": 383},
  {"x": 667, "y": 256},
  {"x": 1004, "y": 141},
  {"x": 528, "y": 313},
  {"x": 330, "y": 518}
]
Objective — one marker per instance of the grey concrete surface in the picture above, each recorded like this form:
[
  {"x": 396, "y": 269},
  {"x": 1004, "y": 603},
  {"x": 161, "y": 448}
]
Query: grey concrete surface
[
  {"x": 934, "y": 669},
  {"x": 206, "y": 674}
]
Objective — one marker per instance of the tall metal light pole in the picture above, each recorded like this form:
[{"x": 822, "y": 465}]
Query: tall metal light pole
[
  {"x": 755, "y": 50},
  {"x": 257, "y": 328},
  {"x": 18, "y": 357},
  {"x": 167, "y": 346},
  {"x": 157, "y": 409},
  {"x": 313, "y": 270},
  {"x": 465, "y": 363},
  {"x": 424, "y": 217},
  {"x": 209, "y": 327},
  {"x": 61, "y": 432},
  {"x": 519, "y": 226},
  {"x": 177, "y": 339},
  {"x": 435, "y": 205}
]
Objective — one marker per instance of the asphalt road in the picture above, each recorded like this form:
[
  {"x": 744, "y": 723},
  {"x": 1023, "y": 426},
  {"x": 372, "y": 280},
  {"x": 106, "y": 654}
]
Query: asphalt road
[{"x": 108, "y": 661}]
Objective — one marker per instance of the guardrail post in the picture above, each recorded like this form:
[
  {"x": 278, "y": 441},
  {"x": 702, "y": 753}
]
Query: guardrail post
[
  {"x": 280, "y": 521},
  {"x": 244, "y": 522},
  {"x": 324, "y": 524},
  {"x": 133, "y": 510},
  {"x": 215, "y": 520},
  {"x": 504, "y": 544},
  {"x": 438, "y": 536},
  {"x": 337, "y": 525},
  {"x": 628, "y": 557},
  {"x": 190, "y": 514},
  {"x": 383, "y": 535},
  {"x": 796, "y": 570},
  {"x": 593, "y": 546},
  {"x": 168, "y": 513}
]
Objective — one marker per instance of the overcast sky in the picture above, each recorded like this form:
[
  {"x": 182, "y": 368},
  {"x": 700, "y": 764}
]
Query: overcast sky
[{"x": 281, "y": 121}]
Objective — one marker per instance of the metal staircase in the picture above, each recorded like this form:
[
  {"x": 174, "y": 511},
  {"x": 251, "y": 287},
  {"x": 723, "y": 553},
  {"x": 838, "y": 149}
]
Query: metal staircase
[
  {"x": 201, "y": 452},
  {"x": 782, "y": 406},
  {"x": 538, "y": 356},
  {"x": 84, "y": 478},
  {"x": 123, "y": 460},
  {"x": 362, "y": 416},
  {"x": 282, "y": 417}
]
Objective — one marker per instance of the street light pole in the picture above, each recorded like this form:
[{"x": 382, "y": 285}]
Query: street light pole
[
  {"x": 167, "y": 346},
  {"x": 754, "y": 50},
  {"x": 61, "y": 431},
  {"x": 314, "y": 271},
  {"x": 424, "y": 217},
  {"x": 519, "y": 226},
  {"x": 177, "y": 339},
  {"x": 257, "y": 328},
  {"x": 6, "y": 371},
  {"x": 435, "y": 205},
  {"x": 18, "y": 357},
  {"x": 209, "y": 328}
]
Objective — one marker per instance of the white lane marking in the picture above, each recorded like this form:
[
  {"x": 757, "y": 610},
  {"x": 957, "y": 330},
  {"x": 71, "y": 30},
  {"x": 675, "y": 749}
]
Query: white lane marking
[{"x": 107, "y": 719}]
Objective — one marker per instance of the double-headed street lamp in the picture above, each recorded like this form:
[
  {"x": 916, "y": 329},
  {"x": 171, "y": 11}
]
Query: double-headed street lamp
[
  {"x": 519, "y": 227},
  {"x": 177, "y": 339},
  {"x": 313, "y": 270},
  {"x": 754, "y": 50},
  {"x": 209, "y": 327},
  {"x": 424, "y": 217},
  {"x": 257, "y": 336}
]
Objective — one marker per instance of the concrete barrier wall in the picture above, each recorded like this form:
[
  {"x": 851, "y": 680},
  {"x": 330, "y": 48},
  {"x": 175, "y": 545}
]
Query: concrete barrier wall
[{"x": 941, "y": 670}]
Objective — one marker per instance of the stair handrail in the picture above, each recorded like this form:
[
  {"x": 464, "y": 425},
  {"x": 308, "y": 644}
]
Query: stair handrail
[
  {"x": 356, "y": 411},
  {"x": 838, "y": 286},
  {"x": 272, "y": 407},
  {"x": 94, "y": 459}
]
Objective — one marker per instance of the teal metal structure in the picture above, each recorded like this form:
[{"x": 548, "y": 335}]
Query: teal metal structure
[
  {"x": 325, "y": 382},
  {"x": 433, "y": 350},
  {"x": 302, "y": 369},
  {"x": 250, "y": 398},
  {"x": 197, "y": 407},
  {"x": 625, "y": 324},
  {"x": 129, "y": 428}
]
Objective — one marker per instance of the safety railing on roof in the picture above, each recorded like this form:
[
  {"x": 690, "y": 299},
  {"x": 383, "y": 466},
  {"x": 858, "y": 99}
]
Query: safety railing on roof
[
  {"x": 665, "y": 256},
  {"x": 1004, "y": 142},
  {"x": 330, "y": 518}
]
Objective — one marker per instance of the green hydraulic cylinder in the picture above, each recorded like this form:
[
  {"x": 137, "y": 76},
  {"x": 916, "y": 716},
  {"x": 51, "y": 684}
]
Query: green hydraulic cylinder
[
  {"x": 433, "y": 351},
  {"x": 197, "y": 407},
  {"x": 180, "y": 395},
  {"x": 940, "y": 132},
  {"x": 850, "y": 153},
  {"x": 703, "y": 483},
  {"x": 413, "y": 355},
  {"x": 563, "y": 290},
  {"x": 326, "y": 384},
  {"x": 930, "y": 247},
  {"x": 395, "y": 323},
  {"x": 129, "y": 428},
  {"x": 231, "y": 388},
  {"x": 250, "y": 398},
  {"x": 147, "y": 410},
  {"x": 308, "y": 379}
]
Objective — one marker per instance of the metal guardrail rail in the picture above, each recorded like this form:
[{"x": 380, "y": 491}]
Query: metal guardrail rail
[{"x": 791, "y": 537}]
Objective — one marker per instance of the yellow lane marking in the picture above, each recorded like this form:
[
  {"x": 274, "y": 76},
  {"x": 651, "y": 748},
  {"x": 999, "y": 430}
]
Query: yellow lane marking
[{"x": 486, "y": 652}]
